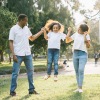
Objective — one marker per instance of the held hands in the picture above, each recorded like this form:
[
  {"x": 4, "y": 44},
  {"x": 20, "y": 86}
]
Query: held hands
[
  {"x": 69, "y": 29},
  {"x": 85, "y": 33}
]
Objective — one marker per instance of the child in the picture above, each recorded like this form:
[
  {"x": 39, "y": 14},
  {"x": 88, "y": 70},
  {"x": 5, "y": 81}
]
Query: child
[
  {"x": 80, "y": 55},
  {"x": 54, "y": 37}
]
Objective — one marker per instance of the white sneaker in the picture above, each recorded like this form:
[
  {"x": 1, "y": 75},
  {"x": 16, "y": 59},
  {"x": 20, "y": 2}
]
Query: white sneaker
[
  {"x": 55, "y": 78},
  {"x": 77, "y": 90},
  {"x": 46, "y": 77},
  {"x": 80, "y": 90}
]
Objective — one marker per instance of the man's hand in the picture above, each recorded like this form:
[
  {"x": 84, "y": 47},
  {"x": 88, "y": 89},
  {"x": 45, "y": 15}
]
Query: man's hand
[{"x": 15, "y": 58}]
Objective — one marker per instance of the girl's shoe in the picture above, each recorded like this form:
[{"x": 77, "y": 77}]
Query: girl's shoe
[
  {"x": 77, "y": 90},
  {"x": 80, "y": 90},
  {"x": 55, "y": 78},
  {"x": 46, "y": 77}
]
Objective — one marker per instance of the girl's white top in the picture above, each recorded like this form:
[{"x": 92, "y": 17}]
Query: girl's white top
[
  {"x": 54, "y": 40},
  {"x": 79, "y": 41}
]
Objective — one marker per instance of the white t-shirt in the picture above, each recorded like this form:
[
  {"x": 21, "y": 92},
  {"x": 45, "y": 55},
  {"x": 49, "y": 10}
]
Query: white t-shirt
[
  {"x": 54, "y": 40},
  {"x": 79, "y": 42},
  {"x": 20, "y": 37}
]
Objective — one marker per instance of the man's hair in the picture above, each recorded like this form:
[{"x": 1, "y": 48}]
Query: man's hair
[
  {"x": 51, "y": 26},
  {"x": 84, "y": 27},
  {"x": 21, "y": 17}
]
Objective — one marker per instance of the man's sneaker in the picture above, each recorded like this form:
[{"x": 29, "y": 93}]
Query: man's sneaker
[
  {"x": 13, "y": 93},
  {"x": 55, "y": 78},
  {"x": 33, "y": 92},
  {"x": 80, "y": 90},
  {"x": 46, "y": 77},
  {"x": 77, "y": 90}
]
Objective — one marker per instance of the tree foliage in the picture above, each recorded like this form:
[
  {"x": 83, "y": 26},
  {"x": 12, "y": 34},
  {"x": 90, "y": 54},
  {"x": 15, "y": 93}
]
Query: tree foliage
[{"x": 7, "y": 20}]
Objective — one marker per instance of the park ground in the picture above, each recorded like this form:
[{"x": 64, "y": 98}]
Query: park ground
[{"x": 50, "y": 90}]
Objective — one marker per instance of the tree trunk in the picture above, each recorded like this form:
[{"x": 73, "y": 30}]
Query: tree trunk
[{"x": 1, "y": 56}]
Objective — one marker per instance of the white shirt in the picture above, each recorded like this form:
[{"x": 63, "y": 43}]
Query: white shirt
[
  {"x": 54, "y": 40},
  {"x": 79, "y": 42},
  {"x": 20, "y": 40}
]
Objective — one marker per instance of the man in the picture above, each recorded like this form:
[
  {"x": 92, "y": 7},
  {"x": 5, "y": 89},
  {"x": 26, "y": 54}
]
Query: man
[{"x": 19, "y": 45}]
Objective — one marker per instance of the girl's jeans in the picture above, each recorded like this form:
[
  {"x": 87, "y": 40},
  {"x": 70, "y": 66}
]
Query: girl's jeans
[
  {"x": 79, "y": 61},
  {"x": 53, "y": 56}
]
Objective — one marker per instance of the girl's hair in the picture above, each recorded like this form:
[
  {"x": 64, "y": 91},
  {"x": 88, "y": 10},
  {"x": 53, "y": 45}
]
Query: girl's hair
[
  {"x": 51, "y": 26},
  {"x": 84, "y": 27}
]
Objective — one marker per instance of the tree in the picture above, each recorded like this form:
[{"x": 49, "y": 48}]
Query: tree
[{"x": 7, "y": 19}]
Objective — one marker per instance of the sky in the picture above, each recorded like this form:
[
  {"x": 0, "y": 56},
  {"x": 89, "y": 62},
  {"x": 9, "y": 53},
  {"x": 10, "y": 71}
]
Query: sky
[{"x": 86, "y": 4}]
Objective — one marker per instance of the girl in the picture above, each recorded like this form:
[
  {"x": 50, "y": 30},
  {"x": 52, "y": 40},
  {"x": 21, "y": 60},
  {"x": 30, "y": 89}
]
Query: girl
[
  {"x": 54, "y": 37},
  {"x": 81, "y": 43}
]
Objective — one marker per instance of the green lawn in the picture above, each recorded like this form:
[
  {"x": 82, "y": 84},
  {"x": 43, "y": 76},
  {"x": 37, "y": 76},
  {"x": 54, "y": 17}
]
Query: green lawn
[
  {"x": 39, "y": 65},
  {"x": 50, "y": 90}
]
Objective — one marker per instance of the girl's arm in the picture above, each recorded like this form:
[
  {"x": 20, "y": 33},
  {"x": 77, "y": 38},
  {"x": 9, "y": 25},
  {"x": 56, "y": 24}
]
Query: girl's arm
[
  {"x": 68, "y": 38},
  {"x": 45, "y": 35}
]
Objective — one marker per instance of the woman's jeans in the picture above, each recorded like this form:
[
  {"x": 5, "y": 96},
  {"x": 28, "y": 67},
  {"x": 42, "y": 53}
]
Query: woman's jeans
[
  {"x": 79, "y": 61},
  {"x": 53, "y": 56},
  {"x": 15, "y": 71}
]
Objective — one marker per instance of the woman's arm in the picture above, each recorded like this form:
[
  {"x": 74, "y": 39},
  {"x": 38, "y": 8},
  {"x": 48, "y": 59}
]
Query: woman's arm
[{"x": 87, "y": 42}]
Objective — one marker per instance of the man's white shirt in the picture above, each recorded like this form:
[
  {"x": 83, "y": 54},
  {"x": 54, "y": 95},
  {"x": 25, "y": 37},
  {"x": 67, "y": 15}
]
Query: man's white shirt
[{"x": 20, "y": 37}]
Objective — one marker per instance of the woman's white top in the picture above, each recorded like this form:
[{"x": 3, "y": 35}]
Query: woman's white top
[
  {"x": 79, "y": 41},
  {"x": 54, "y": 40}
]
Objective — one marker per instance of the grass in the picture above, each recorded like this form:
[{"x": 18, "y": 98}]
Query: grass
[
  {"x": 50, "y": 90},
  {"x": 39, "y": 65}
]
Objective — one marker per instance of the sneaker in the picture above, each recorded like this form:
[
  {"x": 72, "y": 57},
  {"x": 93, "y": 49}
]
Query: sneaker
[
  {"x": 13, "y": 93},
  {"x": 77, "y": 90},
  {"x": 46, "y": 77},
  {"x": 33, "y": 92},
  {"x": 55, "y": 78},
  {"x": 80, "y": 90}
]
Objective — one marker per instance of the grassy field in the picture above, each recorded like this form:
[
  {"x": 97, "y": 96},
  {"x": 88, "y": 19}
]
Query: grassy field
[
  {"x": 50, "y": 90},
  {"x": 39, "y": 65}
]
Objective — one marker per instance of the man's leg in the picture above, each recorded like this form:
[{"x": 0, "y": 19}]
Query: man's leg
[
  {"x": 29, "y": 67},
  {"x": 15, "y": 72}
]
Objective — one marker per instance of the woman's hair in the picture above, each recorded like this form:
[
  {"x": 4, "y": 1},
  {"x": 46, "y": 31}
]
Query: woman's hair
[
  {"x": 51, "y": 26},
  {"x": 84, "y": 27}
]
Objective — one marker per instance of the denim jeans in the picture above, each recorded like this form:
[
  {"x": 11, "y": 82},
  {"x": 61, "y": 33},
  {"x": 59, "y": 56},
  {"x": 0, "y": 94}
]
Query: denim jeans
[
  {"x": 15, "y": 71},
  {"x": 79, "y": 61},
  {"x": 53, "y": 56}
]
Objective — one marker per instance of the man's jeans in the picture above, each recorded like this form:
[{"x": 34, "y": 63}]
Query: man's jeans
[
  {"x": 16, "y": 68},
  {"x": 79, "y": 61},
  {"x": 53, "y": 56}
]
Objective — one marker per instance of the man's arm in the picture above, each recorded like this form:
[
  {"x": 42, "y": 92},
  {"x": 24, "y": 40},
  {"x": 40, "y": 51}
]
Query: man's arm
[
  {"x": 12, "y": 50},
  {"x": 32, "y": 38}
]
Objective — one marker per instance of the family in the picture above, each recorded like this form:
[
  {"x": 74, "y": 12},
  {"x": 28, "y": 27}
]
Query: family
[{"x": 19, "y": 37}]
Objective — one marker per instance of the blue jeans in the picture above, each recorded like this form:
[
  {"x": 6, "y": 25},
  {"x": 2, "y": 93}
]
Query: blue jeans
[
  {"x": 79, "y": 61},
  {"x": 53, "y": 56},
  {"x": 15, "y": 71}
]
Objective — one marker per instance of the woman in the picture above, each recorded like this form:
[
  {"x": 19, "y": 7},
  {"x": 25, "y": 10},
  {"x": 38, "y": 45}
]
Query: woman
[{"x": 80, "y": 55}]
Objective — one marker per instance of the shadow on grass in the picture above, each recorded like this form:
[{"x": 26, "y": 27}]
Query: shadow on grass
[
  {"x": 25, "y": 97},
  {"x": 7, "y": 98}
]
